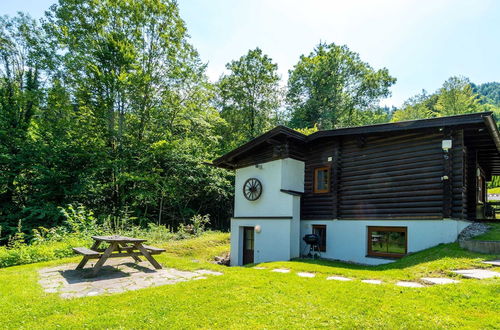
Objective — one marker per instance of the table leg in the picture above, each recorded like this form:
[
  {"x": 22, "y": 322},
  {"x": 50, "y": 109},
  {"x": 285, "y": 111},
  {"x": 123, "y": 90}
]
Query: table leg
[
  {"x": 82, "y": 263},
  {"x": 86, "y": 259},
  {"x": 103, "y": 258},
  {"x": 148, "y": 256},
  {"x": 128, "y": 249}
]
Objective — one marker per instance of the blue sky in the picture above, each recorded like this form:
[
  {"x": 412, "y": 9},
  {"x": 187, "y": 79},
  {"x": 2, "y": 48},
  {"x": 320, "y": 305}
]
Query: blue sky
[{"x": 422, "y": 43}]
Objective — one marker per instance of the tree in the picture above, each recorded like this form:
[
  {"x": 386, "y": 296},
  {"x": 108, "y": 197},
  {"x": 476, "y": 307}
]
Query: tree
[
  {"x": 330, "y": 84},
  {"x": 21, "y": 94},
  {"x": 490, "y": 92},
  {"x": 457, "y": 97},
  {"x": 419, "y": 106},
  {"x": 249, "y": 97},
  {"x": 135, "y": 80}
]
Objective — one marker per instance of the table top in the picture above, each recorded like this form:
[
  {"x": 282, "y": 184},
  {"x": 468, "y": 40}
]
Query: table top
[{"x": 117, "y": 238}]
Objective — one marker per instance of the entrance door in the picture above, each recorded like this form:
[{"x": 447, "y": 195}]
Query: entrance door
[{"x": 248, "y": 245}]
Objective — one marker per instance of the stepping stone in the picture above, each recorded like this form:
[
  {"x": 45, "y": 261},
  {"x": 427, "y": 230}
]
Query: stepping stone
[
  {"x": 410, "y": 284},
  {"x": 338, "y": 278},
  {"x": 208, "y": 272},
  {"x": 200, "y": 278},
  {"x": 281, "y": 270},
  {"x": 492, "y": 262},
  {"x": 477, "y": 273},
  {"x": 259, "y": 267},
  {"x": 439, "y": 280},
  {"x": 372, "y": 281},
  {"x": 306, "y": 274}
]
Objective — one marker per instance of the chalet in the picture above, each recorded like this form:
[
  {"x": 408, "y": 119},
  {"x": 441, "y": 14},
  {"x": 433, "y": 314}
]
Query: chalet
[{"x": 371, "y": 193}]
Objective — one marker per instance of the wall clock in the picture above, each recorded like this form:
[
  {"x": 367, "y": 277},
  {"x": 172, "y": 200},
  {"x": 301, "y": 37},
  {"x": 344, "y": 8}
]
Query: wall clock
[{"x": 252, "y": 189}]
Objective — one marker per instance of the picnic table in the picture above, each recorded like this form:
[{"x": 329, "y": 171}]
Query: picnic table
[{"x": 119, "y": 246}]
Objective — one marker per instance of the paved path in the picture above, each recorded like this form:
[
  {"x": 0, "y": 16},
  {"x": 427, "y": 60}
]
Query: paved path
[{"x": 117, "y": 276}]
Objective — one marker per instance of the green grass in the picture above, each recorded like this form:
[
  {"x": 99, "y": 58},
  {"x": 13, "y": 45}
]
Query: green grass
[
  {"x": 494, "y": 190},
  {"x": 248, "y": 298},
  {"x": 492, "y": 235}
]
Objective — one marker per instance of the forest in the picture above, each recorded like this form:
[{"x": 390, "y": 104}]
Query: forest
[{"x": 106, "y": 104}]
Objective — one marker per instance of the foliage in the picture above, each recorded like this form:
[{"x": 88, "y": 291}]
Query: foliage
[
  {"x": 490, "y": 92},
  {"x": 308, "y": 130},
  {"x": 251, "y": 298},
  {"x": 79, "y": 225},
  {"x": 249, "y": 97},
  {"x": 455, "y": 97},
  {"x": 332, "y": 86},
  {"x": 106, "y": 104}
]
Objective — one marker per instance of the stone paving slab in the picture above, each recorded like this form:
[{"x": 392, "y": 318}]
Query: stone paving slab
[
  {"x": 281, "y": 270},
  {"x": 492, "y": 262},
  {"x": 439, "y": 280},
  {"x": 256, "y": 267},
  {"x": 477, "y": 273},
  {"x": 304, "y": 274},
  {"x": 410, "y": 284},
  {"x": 119, "y": 275},
  {"x": 338, "y": 278},
  {"x": 372, "y": 281}
]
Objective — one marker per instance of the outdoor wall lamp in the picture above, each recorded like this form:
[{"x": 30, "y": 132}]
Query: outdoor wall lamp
[
  {"x": 446, "y": 145},
  {"x": 258, "y": 229}
]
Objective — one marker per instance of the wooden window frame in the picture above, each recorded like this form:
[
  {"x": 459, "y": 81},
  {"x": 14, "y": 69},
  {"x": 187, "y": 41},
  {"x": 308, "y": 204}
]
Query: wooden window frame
[
  {"x": 315, "y": 180},
  {"x": 386, "y": 228},
  {"x": 322, "y": 248}
]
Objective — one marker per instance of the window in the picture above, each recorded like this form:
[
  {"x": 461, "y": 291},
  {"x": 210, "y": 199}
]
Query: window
[
  {"x": 322, "y": 179},
  {"x": 320, "y": 230},
  {"x": 387, "y": 241},
  {"x": 480, "y": 189}
]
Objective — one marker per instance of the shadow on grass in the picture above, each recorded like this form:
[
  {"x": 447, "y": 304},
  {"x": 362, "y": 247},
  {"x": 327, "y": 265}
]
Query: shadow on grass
[{"x": 437, "y": 253}]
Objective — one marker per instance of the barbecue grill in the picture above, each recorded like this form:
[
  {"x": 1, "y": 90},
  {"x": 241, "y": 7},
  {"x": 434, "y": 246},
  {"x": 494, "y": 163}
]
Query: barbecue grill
[{"x": 313, "y": 241}]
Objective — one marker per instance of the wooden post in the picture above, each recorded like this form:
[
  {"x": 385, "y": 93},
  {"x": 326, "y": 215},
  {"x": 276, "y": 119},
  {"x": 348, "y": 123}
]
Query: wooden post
[
  {"x": 447, "y": 177},
  {"x": 335, "y": 178}
]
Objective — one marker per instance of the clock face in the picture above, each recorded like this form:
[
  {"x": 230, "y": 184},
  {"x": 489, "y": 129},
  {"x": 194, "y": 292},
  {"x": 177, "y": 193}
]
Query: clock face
[{"x": 252, "y": 189}]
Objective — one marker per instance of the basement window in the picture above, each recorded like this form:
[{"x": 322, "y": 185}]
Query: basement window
[
  {"x": 322, "y": 179},
  {"x": 391, "y": 242}
]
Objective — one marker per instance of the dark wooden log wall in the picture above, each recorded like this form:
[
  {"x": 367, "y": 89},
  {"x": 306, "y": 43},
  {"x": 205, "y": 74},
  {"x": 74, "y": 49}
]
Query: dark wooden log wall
[
  {"x": 392, "y": 177},
  {"x": 320, "y": 205},
  {"x": 459, "y": 177}
]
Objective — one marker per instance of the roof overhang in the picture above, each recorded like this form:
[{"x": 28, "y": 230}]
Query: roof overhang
[
  {"x": 225, "y": 161},
  {"x": 488, "y": 144}
]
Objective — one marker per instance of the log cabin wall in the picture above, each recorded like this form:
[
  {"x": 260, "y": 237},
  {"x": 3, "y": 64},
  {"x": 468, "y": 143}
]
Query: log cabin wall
[
  {"x": 471, "y": 170},
  {"x": 397, "y": 176},
  {"x": 392, "y": 177},
  {"x": 459, "y": 177},
  {"x": 316, "y": 206}
]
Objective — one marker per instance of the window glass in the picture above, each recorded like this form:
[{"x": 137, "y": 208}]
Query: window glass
[
  {"x": 387, "y": 241},
  {"x": 321, "y": 180}
]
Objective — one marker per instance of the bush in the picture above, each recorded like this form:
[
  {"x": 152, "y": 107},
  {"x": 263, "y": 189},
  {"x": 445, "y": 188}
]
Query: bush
[{"x": 80, "y": 224}]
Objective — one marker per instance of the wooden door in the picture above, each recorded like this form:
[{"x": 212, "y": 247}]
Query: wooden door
[{"x": 248, "y": 245}]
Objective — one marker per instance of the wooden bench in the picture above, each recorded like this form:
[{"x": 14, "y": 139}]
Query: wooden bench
[
  {"x": 154, "y": 250},
  {"x": 86, "y": 252}
]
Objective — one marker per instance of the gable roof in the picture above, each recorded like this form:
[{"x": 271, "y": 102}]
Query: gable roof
[{"x": 481, "y": 119}]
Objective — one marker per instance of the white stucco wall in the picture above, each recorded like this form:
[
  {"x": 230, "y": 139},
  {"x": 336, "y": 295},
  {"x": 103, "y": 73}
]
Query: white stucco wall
[
  {"x": 347, "y": 239},
  {"x": 271, "y": 244},
  {"x": 279, "y": 239}
]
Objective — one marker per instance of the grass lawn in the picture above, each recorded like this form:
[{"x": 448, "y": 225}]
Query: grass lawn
[
  {"x": 249, "y": 298},
  {"x": 492, "y": 235}
]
